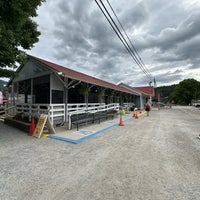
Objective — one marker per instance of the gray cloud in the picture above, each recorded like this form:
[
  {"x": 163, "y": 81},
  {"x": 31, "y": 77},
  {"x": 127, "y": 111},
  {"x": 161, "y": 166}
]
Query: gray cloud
[
  {"x": 171, "y": 37},
  {"x": 169, "y": 77},
  {"x": 165, "y": 33},
  {"x": 135, "y": 15}
]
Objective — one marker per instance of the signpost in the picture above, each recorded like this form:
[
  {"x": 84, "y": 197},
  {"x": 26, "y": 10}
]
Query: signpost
[{"x": 43, "y": 120}]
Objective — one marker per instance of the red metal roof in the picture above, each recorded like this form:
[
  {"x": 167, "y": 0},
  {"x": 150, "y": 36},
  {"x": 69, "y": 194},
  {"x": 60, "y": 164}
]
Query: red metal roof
[
  {"x": 137, "y": 92},
  {"x": 146, "y": 89},
  {"x": 80, "y": 76}
]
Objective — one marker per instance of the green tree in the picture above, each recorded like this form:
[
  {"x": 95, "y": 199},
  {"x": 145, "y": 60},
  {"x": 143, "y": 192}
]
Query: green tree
[
  {"x": 18, "y": 31},
  {"x": 6, "y": 73},
  {"x": 186, "y": 91},
  {"x": 165, "y": 92},
  {"x": 2, "y": 83}
]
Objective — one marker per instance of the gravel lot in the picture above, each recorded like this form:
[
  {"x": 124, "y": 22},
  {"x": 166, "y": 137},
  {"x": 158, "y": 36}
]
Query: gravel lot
[{"x": 152, "y": 158}]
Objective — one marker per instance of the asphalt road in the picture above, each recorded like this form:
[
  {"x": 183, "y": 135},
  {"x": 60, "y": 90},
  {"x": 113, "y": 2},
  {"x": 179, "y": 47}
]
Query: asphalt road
[{"x": 151, "y": 158}]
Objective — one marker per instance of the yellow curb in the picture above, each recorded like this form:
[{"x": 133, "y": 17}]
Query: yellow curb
[{"x": 45, "y": 134}]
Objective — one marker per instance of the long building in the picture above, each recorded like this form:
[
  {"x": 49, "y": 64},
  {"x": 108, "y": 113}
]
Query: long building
[{"x": 45, "y": 87}]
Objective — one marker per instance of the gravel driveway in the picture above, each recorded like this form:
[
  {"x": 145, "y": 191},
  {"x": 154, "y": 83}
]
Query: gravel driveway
[{"x": 152, "y": 158}]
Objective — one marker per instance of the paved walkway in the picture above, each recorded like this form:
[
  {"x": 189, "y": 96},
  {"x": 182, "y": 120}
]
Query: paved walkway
[{"x": 86, "y": 132}]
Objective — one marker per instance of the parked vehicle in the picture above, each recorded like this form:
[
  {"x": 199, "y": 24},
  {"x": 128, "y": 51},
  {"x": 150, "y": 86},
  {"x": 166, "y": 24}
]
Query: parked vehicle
[{"x": 196, "y": 104}]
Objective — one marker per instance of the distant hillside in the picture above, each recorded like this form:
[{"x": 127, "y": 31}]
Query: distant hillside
[
  {"x": 165, "y": 92},
  {"x": 2, "y": 83}
]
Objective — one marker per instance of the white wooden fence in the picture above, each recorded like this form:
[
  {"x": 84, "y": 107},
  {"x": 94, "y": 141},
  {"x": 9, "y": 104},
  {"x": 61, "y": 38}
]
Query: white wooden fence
[
  {"x": 90, "y": 107},
  {"x": 56, "y": 112}
]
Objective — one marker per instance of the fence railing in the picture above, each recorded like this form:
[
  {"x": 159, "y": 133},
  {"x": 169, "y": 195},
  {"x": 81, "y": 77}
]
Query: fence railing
[
  {"x": 56, "y": 112},
  {"x": 10, "y": 110},
  {"x": 91, "y": 107},
  {"x": 74, "y": 109}
]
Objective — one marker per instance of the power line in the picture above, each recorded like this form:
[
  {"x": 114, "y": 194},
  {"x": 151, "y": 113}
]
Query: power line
[
  {"x": 135, "y": 55},
  {"x": 138, "y": 57},
  {"x": 127, "y": 45},
  {"x": 118, "y": 32}
]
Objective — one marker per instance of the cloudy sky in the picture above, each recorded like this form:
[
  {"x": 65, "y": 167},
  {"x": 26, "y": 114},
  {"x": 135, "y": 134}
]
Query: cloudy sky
[{"x": 166, "y": 34}]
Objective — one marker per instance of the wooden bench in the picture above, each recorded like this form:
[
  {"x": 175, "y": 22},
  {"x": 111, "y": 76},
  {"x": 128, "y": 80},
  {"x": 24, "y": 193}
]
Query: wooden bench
[
  {"x": 84, "y": 118},
  {"x": 112, "y": 113},
  {"x": 81, "y": 118},
  {"x": 105, "y": 115}
]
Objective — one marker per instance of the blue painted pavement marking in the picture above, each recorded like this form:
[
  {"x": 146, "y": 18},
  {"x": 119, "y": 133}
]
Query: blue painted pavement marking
[{"x": 87, "y": 133}]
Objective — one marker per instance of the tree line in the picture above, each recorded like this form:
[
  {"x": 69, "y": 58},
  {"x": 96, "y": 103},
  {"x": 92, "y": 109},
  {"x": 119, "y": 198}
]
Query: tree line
[{"x": 183, "y": 93}]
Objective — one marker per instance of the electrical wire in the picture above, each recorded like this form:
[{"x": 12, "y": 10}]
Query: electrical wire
[
  {"x": 114, "y": 26},
  {"x": 138, "y": 57},
  {"x": 127, "y": 45},
  {"x": 118, "y": 32}
]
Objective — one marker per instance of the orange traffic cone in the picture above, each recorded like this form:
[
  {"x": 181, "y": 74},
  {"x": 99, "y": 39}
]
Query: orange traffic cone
[
  {"x": 32, "y": 127},
  {"x": 120, "y": 121}
]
